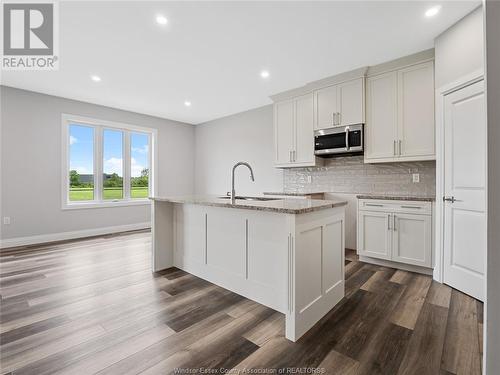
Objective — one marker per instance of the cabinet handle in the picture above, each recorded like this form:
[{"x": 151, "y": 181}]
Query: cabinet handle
[
  {"x": 414, "y": 207},
  {"x": 389, "y": 222},
  {"x": 294, "y": 155},
  {"x": 290, "y": 156},
  {"x": 374, "y": 205},
  {"x": 400, "y": 147},
  {"x": 394, "y": 223},
  {"x": 340, "y": 118},
  {"x": 394, "y": 148},
  {"x": 333, "y": 119}
]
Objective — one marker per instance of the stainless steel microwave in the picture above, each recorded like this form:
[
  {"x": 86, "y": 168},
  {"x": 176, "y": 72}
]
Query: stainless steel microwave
[{"x": 347, "y": 140}]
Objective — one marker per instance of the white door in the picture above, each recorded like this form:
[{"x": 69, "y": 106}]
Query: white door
[
  {"x": 351, "y": 102},
  {"x": 381, "y": 116},
  {"x": 326, "y": 107},
  {"x": 416, "y": 110},
  {"x": 375, "y": 234},
  {"x": 283, "y": 131},
  {"x": 304, "y": 133},
  {"x": 412, "y": 239},
  {"x": 465, "y": 189}
]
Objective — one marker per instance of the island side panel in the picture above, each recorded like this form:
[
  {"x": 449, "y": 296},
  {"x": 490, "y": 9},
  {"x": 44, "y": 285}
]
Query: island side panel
[
  {"x": 162, "y": 227},
  {"x": 316, "y": 268},
  {"x": 242, "y": 250}
]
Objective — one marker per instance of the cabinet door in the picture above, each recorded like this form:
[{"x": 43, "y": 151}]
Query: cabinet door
[
  {"x": 351, "y": 102},
  {"x": 374, "y": 234},
  {"x": 325, "y": 107},
  {"x": 304, "y": 133},
  {"x": 412, "y": 239},
  {"x": 381, "y": 116},
  {"x": 283, "y": 131},
  {"x": 416, "y": 110}
]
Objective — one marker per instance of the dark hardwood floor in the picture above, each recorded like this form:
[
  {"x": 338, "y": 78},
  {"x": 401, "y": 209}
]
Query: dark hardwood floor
[{"x": 93, "y": 306}]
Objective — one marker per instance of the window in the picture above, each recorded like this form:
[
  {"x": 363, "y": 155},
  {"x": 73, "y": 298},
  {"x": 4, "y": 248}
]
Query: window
[
  {"x": 112, "y": 164},
  {"x": 105, "y": 163},
  {"x": 81, "y": 167},
  {"x": 139, "y": 165}
]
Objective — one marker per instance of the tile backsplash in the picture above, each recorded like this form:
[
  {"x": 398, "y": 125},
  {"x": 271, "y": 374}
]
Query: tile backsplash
[{"x": 351, "y": 175}]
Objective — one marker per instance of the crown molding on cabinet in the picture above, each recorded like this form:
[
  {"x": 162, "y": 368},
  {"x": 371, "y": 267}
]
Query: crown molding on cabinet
[
  {"x": 324, "y": 82},
  {"x": 402, "y": 62},
  {"x": 367, "y": 71}
]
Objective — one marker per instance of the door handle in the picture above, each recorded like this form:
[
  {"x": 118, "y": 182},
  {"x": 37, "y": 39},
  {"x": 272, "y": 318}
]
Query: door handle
[
  {"x": 394, "y": 223},
  {"x": 389, "y": 222},
  {"x": 449, "y": 199}
]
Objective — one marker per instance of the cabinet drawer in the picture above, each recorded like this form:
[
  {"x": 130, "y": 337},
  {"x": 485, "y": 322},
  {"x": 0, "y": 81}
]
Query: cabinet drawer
[{"x": 411, "y": 207}]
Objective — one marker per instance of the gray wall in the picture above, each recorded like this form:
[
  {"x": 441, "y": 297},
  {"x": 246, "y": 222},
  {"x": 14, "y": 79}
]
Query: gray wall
[
  {"x": 31, "y": 164},
  {"x": 493, "y": 95},
  {"x": 246, "y": 136},
  {"x": 460, "y": 49}
]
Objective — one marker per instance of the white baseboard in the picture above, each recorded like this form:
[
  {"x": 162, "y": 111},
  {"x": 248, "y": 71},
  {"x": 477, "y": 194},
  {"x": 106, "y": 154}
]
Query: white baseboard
[{"x": 31, "y": 240}]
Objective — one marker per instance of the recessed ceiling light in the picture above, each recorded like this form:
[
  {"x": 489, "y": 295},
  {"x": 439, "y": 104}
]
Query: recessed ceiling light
[
  {"x": 431, "y": 12},
  {"x": 161, "y": 20},
  {"x": 95, "y": 78},
  {"x": 187, "y": 103},
  {"x": 264, "y": 74}
]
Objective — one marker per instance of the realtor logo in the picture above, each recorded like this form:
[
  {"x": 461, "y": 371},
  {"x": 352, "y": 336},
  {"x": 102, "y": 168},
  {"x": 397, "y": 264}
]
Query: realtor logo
[{"x": 29, "y": 31}]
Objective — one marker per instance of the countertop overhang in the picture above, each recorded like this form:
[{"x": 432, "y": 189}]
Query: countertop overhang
[
  {"x": 284, "y": 206},
  {"x": 397, "y": 197}
]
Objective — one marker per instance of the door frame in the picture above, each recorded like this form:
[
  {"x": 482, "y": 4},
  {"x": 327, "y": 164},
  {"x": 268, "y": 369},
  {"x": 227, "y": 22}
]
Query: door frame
[{"x": 441, "y": 92}]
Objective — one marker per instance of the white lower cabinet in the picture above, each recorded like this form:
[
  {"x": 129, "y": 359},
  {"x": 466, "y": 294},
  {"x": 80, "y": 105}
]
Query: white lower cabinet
[
  {"x": 375, "y": 236},
  {"x": 412, "y": 239},
  {"x": 396, "y": 231}
]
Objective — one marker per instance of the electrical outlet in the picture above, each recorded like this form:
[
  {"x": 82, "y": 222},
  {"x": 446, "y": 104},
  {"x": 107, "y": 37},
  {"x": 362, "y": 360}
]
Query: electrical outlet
[
  {"x": 6, "y": 220},
  {"x": 309, "y": 179},
  {"x": 416, "y": 177}
]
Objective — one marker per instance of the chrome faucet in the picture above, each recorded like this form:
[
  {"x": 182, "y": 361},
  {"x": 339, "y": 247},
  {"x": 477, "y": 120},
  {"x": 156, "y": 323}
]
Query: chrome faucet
[{"x": 233, "y": 192}]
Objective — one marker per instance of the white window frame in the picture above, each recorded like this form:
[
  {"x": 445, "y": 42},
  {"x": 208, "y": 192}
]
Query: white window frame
[{"x": 99, "y": 126}]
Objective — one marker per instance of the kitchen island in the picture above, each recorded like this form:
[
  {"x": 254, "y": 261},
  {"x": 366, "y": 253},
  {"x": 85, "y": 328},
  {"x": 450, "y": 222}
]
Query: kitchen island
[{"x": 287, "y": 254}]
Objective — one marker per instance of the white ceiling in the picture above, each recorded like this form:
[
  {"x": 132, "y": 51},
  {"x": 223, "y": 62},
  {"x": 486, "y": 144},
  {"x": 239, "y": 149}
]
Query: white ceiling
[{"x": 211, "y": 53}]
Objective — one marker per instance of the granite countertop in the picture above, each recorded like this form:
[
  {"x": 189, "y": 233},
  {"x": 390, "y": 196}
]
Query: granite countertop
[
  {"x": 292, "y": 194},
  {"x": 397, "y": 197},
  {"x": 285, "y": 206}
]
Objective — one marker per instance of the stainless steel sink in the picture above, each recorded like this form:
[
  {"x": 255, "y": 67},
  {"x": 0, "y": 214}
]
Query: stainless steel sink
[{"x": 250, "y": 198}]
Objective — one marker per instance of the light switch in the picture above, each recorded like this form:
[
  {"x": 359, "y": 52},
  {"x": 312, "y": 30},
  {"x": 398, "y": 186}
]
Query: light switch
[{"x": 416, "y": 177}]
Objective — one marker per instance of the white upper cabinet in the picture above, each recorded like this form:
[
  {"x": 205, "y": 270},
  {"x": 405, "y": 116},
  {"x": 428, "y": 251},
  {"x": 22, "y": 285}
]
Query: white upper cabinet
[
  {"x": 381, "y": 116},
  {"x": 283, "y": 131},
  {"x": 340, "y": 104},
  {"x": 416, "y": 115},
  {"x": 351, "y": 96},
  {"x": 400, "y": 115},
  {"x": 293, "y": 132},
  {"x": 304, "y": 134},
  {"x": 326, "y": 107}
]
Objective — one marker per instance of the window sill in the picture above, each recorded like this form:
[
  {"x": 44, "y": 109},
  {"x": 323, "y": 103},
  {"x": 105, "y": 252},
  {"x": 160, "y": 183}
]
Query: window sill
[{"x": 121, "y": 203}]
